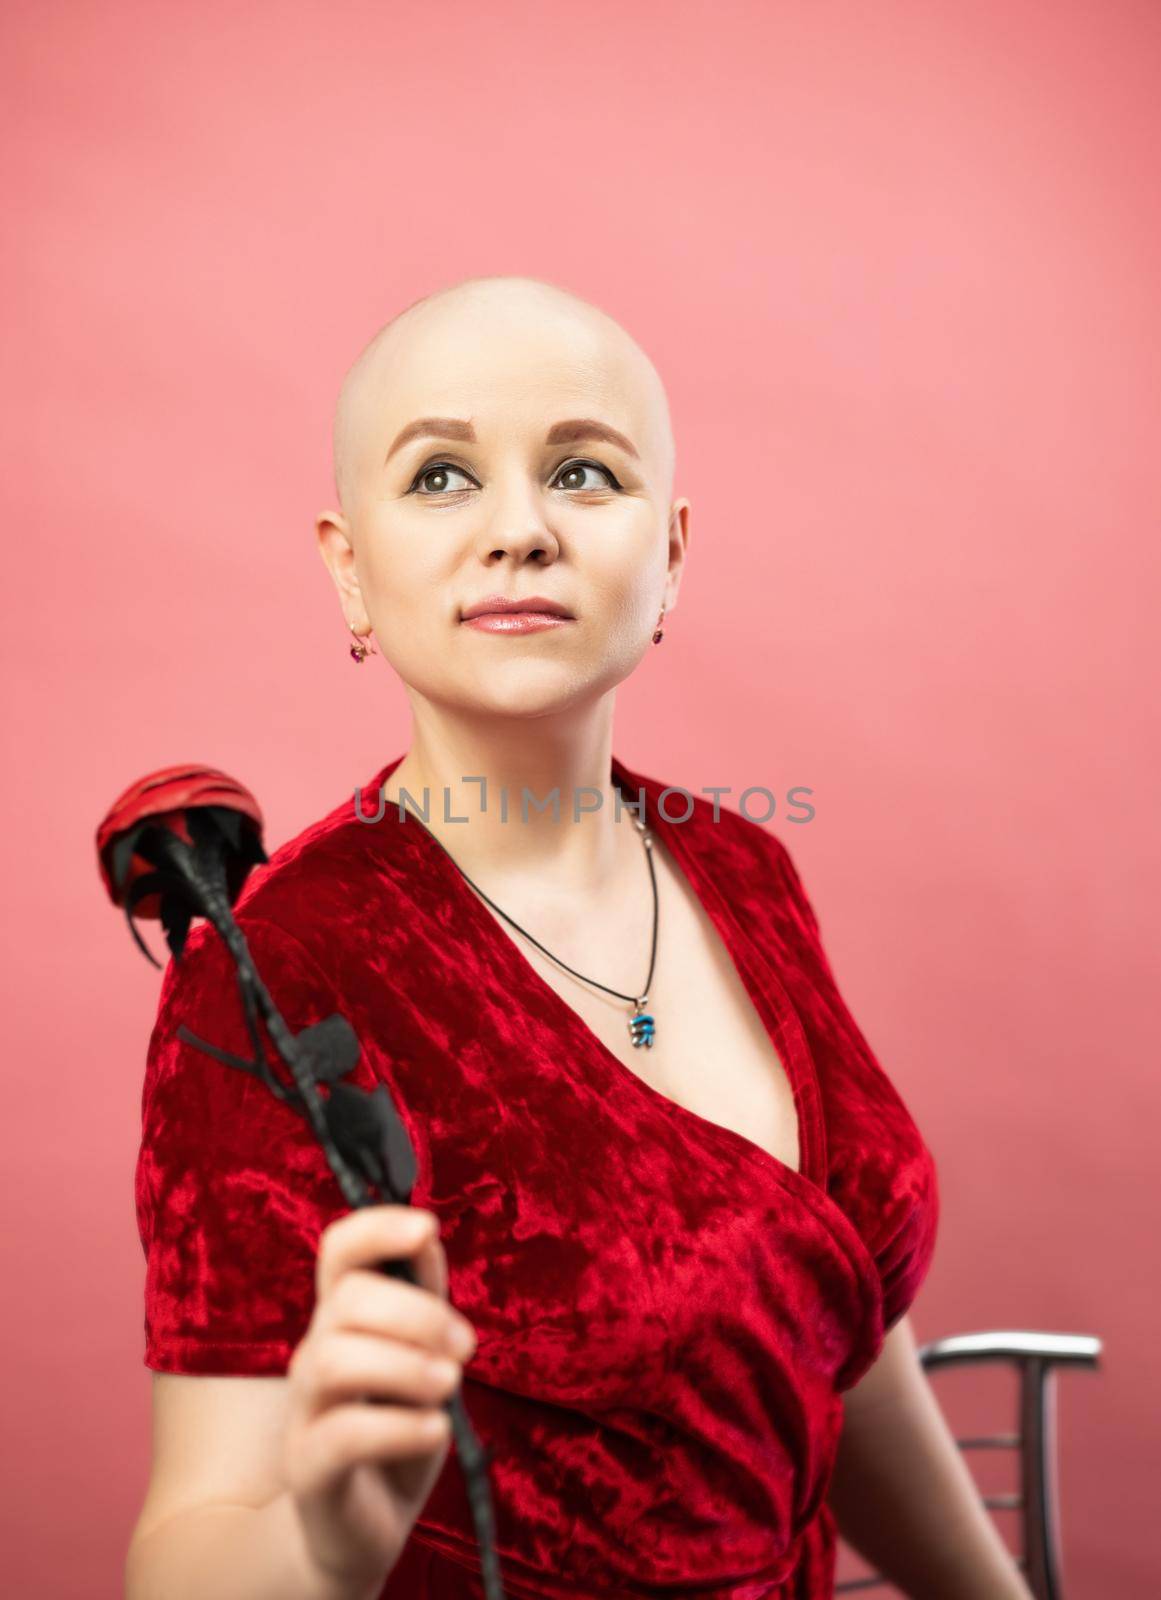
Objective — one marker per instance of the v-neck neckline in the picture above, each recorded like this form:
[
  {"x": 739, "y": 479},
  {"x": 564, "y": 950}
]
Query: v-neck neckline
[{"x": 767, "y": 993}]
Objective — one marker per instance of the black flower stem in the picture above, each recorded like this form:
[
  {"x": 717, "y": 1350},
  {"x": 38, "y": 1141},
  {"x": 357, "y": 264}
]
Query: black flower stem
[
  {"x": 211, "y": 901},
  {"x": 218, "y": 910},
  {"x": 214, "y": 904}
]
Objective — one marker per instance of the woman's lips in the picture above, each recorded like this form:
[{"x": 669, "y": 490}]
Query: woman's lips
[{"x": 516, "y": 621}]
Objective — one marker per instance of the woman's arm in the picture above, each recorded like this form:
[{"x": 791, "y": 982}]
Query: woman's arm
[
  {"x": 216, "y": 1518},
  {"x": 902, "y": 1494},
  {"x": 233, "y": 1552}
]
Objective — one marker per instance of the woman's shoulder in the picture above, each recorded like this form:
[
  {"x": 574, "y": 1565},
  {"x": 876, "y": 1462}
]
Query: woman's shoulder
[
  {"x": 337, "y": 874},
  {"x": 746, "y": 856}
]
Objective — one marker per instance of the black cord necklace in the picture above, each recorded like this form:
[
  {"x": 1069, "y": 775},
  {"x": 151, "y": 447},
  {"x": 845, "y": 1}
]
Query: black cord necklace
[{"x": 642, "y": 1025}]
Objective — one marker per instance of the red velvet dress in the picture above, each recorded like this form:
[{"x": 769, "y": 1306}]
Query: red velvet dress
[{"x": 667, "y": 1314}]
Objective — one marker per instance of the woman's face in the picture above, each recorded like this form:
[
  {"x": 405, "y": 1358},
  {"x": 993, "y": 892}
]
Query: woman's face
[{"x": 510, "y": 491}]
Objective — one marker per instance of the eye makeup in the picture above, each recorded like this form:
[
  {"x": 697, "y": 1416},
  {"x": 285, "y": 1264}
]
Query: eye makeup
[{"x": 566, "y": 466}]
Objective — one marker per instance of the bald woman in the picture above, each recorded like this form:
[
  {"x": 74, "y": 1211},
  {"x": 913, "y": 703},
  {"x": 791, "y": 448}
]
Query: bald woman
[{"x": 670, "y": 1212}]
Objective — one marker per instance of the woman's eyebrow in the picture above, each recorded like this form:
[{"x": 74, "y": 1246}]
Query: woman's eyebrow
[
  {"x": 560, "y": 433},
  {"x": 433, "y": 428}
]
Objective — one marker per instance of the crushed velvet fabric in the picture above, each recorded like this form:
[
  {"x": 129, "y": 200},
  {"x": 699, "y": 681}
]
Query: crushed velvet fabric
[{"x": 667, "y": 1314}]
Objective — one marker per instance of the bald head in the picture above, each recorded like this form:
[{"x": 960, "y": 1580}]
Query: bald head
[{"x": 537, "y": 332}]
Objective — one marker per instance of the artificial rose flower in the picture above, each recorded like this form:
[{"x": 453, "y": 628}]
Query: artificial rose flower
[{"x": 162, "y": 800}]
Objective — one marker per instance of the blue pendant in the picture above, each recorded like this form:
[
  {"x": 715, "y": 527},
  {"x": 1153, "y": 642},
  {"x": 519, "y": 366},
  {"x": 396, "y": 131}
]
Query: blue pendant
[{"x": 641, "y": 1027}]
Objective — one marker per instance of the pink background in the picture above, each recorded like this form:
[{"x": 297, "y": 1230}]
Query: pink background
[{"x": 898, "y": 265}]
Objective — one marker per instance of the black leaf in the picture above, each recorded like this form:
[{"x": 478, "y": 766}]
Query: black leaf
[
  {"x": 370, "y": 1136},
  {"x": 331, "y": 1048},
  {"x": 400, "y": 1165}
]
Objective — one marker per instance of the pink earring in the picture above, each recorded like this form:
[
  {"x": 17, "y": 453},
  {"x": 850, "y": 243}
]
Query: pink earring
[
  {"x": 659, "y": 630},
  {"x": 360, "y": 650}
]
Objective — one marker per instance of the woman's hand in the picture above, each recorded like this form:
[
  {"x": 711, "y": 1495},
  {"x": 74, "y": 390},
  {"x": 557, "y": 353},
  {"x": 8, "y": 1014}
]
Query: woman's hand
[{"x": 367, "y": 1434}]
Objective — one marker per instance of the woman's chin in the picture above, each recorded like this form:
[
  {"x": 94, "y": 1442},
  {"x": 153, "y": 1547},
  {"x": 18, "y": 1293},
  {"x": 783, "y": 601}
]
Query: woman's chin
[{"x": 524, "y": 689}]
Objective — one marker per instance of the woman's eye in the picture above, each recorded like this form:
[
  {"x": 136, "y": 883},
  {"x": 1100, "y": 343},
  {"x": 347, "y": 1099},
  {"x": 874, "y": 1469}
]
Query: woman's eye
[
  {"x": 439, "y": 469},
  {"x": 574, "y": 467},
  {"x": 572, "y": 470}
]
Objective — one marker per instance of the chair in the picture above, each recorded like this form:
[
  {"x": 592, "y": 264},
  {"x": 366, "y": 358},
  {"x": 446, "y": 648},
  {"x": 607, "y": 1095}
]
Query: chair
[{"x": 1035, "y": 1357}]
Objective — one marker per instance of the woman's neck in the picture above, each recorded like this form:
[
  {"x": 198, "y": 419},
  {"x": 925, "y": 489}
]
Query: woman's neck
[{"x": 521, "y": 807}]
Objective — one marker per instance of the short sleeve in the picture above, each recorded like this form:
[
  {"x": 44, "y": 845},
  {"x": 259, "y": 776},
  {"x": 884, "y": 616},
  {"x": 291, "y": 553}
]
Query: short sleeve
[
  {"x": 905, "y": 1248},
  {"x": 800, "y": 902},
  {"x": 232, "y": 1188},
  {"x": 889, "y": 1182}
]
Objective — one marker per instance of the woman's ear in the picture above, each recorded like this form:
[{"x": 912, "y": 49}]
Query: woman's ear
[
  {"x": 678, "y": 547},
  {"x": 338, "y": 553}
]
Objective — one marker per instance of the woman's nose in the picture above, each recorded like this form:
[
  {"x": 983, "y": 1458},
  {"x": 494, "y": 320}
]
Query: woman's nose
[{"x": 516, "y": 524}]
